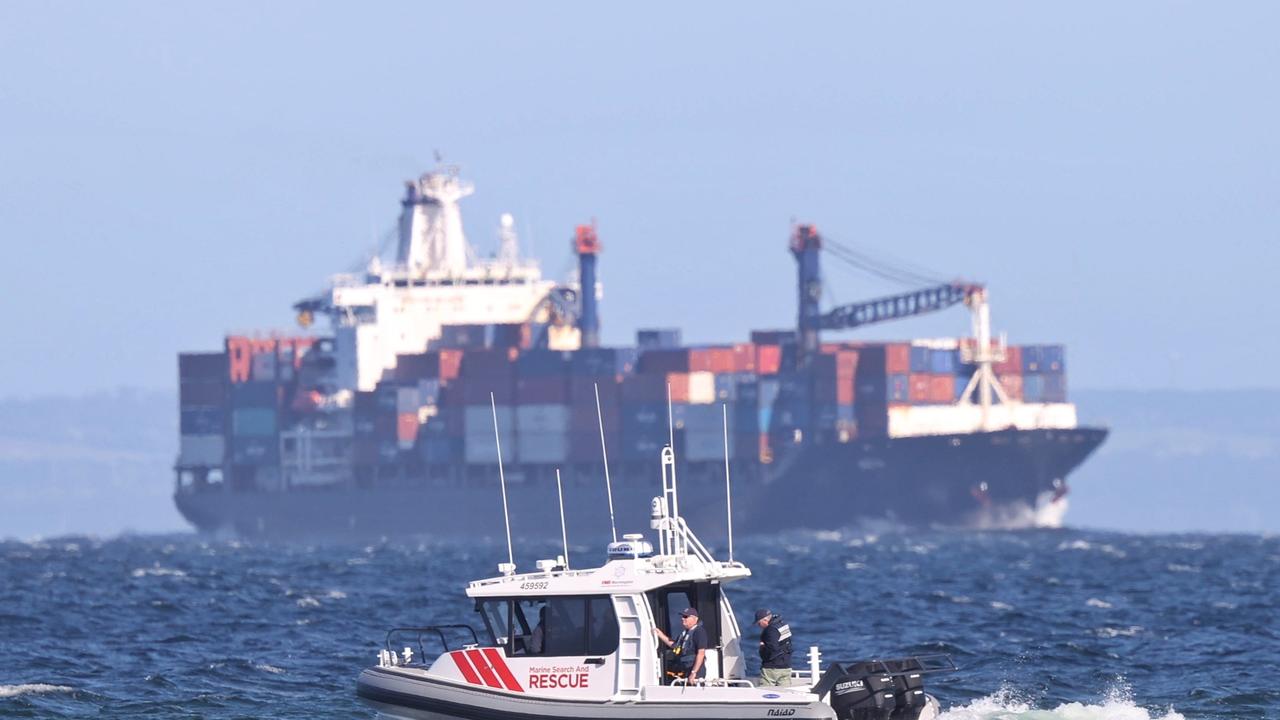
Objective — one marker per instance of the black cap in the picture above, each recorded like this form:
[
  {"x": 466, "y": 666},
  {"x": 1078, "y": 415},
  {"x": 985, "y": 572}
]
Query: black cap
[
  {"x": 689, "y": 612},
  {"x": 762, "y": 613}
]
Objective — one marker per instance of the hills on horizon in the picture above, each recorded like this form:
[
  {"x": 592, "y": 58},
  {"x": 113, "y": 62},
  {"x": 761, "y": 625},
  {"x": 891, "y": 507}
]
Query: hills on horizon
[{"x": 1176, "y": 461}]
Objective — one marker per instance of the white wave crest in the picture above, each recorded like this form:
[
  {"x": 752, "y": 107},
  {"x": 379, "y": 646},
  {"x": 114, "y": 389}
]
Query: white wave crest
[
  {"x": 7, "y": 691},
  {"x": 1096, "y": 603},
  {"x": 1006, "y": 704},
  {"x": 157, "y": 571},
  {"x": 269, "y": 668}
]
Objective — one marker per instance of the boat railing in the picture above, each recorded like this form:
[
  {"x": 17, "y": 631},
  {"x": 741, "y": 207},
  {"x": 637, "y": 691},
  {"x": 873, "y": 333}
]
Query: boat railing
[
  {"x": 396, "y": 637},
  {"x": 531, "y": 576},
  {"x": 714, "y": 682}
]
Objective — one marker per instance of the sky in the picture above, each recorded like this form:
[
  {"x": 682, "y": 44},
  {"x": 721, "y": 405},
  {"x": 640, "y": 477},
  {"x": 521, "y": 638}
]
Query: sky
[{"x": 171, "y": 172}]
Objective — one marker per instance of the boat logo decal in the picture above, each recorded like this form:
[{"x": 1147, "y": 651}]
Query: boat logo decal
[
  {"x": 485, "y": 667},
  {"x": 771, "y": 696}
]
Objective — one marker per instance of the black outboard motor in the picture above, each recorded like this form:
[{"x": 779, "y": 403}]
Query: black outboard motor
[
  {"x": 880, "y": 689},
  {"x": 861, "y": 691}
]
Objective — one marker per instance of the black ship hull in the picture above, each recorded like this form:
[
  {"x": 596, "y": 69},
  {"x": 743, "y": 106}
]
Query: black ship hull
[{"x": 1011, "y": 478}]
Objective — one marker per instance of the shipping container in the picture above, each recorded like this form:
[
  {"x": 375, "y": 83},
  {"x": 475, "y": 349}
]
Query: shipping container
[
  {"x": 942, "y": 389},
  {"x": 603, "y": 362},
  {"x": 899, "y": 389},
  {"x": 1033, "y": 384},
  {"x": 773, "y": 337},
  {"x": 255, "y": 394},
  {"x": 692, "y": 387},
  {"x": 582, "y": 392},
  {"x": 1055, "y": 387},
  {"x": 437, "y": 450},
  {"x": 921, "y": 360},
  {"x": 944, "y": 362},
  {"x": 642, "y": 448},
  {"x": 1012, "y": 385},
  {"x": 705, "y": 446},
  {"x": 477, "y": 421},
  {"x": 541, "y": 363},
  {"x": 202, "y": 392},
  {"x": 546, "y": 419},
  {"x": 644, "y": 419},
  {"x": 1053, "y": 358},
  {"x": 1012, "y": 363},
  {"x": 477, "y": 390},
  {"x": 208, "y": 420},
  {"x": 202, "y": 367},
  {"x": 714, "y": 359},
  {"x": 744, "y": 358},
  {"x": 481, "y": 450},
  {"x": 543, "y": 447},
  {"x": 663, "y": 361},
  {"x": 541, "y": 390},
  {"x": 897, "y": 359},
  {"x": 406, "y": 429},
  {"x": 412, "y": 368},
  {"x": 644, "y": 388},
  {"x": 253, "y": 422},
  {"x": 201, "y": 450},
  {"x": 657, "y": 338},
  {"x": 408, "y": 399},
  {"x": 484, "y": 364},
  {"x": 768, "y": 359}
]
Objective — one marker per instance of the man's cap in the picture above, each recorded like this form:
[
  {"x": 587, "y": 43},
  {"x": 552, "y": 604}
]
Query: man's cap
[
  {"x": 689, "y": 612},
  {"x": 762, "y": 613}
]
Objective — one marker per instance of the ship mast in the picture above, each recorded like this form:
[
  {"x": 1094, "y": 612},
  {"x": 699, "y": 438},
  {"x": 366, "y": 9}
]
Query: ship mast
[{"x": 431, "y": 237}]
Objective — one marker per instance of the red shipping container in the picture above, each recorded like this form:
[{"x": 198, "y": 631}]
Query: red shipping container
[
  {"x": 1012, "y": 364},
  {"x": 897, "y": 358},
  {"x": 450, "y": 364},
  {"x": 679, "y": 383},
  {"x": 1012, "y": 385},
  {"x": 711, "y": 359},
  {"x": 919, "y": 386},
  {"x": 768, "y": 359},
  {"x": 550, "y": 390},
  {"x": 942, "y": 389},
  {"x": 407, "y": 427},
  {"x": 744, "y": 357}
]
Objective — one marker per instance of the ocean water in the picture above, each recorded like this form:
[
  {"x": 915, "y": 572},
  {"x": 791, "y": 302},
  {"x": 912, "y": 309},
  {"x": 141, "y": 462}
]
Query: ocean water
[{"x": 1064, "y": 625}]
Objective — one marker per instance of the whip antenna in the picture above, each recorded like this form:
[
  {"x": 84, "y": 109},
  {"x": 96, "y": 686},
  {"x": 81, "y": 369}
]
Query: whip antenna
[
  {"x": 604, "y": 451},
  {"x": 728, "y": 492},
  {"x": 564, "y": 535},
  {"x": 671, "y": 438},
  {"x": 502, "y": 479}
]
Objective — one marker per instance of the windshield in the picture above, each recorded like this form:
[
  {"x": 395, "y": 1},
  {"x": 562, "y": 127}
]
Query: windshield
[{"x": 495, "y": 614}]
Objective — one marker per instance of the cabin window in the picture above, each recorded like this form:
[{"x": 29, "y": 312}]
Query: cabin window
[
  {"x": 563, "y": 626},
  {"x": 497, "y": 618}
]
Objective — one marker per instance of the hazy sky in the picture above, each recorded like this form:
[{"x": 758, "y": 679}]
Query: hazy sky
[{"x": 173, "y": 171}]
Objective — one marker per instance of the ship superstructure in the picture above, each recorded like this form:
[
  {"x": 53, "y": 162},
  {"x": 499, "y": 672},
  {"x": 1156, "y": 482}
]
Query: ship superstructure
[{"x": 395, "y": 402}]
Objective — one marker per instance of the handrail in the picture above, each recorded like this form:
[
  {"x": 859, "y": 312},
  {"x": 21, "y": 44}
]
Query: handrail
[{"x": 438, "y": 630}]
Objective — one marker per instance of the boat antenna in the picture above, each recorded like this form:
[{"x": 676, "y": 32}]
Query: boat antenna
[
  {"x": 671, "y": 443},
  {"x": 502, "y": 479},
  {"x": 564, "y": 534},
  {"x": 728, "y": 492},
  {"x": 604, "y": 451}
]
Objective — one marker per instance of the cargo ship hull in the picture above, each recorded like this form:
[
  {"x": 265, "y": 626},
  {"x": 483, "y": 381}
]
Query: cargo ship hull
[{"x": 1008, "y": 479}]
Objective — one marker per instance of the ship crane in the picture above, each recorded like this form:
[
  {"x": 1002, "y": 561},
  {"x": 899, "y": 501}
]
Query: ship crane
[{"x": 806, "y": 244}]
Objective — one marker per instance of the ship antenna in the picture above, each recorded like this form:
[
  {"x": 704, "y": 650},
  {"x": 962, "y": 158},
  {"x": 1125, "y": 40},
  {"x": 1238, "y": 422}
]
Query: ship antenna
[
  {"x": 728, "y": 492},
  {"x": 502, "y": 479},
  {"x": 604, "y": 451},
  {"x": 564, "y": 534}
]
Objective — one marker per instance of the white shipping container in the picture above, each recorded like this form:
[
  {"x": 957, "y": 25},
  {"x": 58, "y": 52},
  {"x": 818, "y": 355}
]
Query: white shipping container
[
  {"x": 542, "y": 418},
  {"x": 702, "y": 446},
  {"x": 702, "y": 388},
  {"x": 205, "y": 450},
  {"x": 478, "y": 420},
  {"x": 543, "y": 447},
  {"x": 481, "y": 449}
]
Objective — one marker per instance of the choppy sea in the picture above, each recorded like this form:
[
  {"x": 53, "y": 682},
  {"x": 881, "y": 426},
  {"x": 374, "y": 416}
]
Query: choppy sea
[{"x": 1066, "y": 625}]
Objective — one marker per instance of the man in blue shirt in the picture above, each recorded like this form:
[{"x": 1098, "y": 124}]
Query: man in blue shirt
[{"x": 689, "y": 647}]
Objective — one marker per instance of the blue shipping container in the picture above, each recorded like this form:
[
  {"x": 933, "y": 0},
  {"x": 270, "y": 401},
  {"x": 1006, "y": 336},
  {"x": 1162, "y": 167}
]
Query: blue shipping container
[
  {"x": 1055, "y": 387},
  {"x": 253, "y": 394},
  {"x": 542, "y": 363},
  {"x": 944, "y": 362},
  {"x": 921, "y": 359},
  {"x": 1033, "y": 387},
  {"x": 660, "y": 338},
  {"x": 253, "y": 422}
]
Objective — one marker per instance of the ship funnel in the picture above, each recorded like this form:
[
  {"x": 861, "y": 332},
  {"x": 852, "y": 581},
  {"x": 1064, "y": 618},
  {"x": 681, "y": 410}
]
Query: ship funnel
[
  {"x": 587, "y": 245},
  {"x": 431, "y": 237}
]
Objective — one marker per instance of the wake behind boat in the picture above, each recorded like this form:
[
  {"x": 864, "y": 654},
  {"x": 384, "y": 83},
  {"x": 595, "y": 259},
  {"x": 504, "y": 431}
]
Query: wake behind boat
[{"x": 568, "y": 643}]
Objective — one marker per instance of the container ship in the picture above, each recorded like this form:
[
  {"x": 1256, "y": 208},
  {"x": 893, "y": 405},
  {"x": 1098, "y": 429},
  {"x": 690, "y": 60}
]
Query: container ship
[{"x": 386, "y": 415}]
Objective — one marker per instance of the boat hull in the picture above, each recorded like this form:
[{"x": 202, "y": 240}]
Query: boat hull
[{"x": 1013, "y": 479}]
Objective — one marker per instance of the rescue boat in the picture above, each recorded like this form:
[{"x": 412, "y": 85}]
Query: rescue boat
[{"x": 583, "y": 643}]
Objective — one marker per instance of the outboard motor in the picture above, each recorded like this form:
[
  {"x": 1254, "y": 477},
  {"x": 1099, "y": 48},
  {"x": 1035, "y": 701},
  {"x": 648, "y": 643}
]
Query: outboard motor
[
  {"x": 861, "y": 692},
  {"x": 881, "y": 689}
]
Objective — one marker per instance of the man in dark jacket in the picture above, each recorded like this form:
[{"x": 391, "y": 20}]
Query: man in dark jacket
[
  {"x": 689, "y": 648},
  {"x": 775, "y": 648}
]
